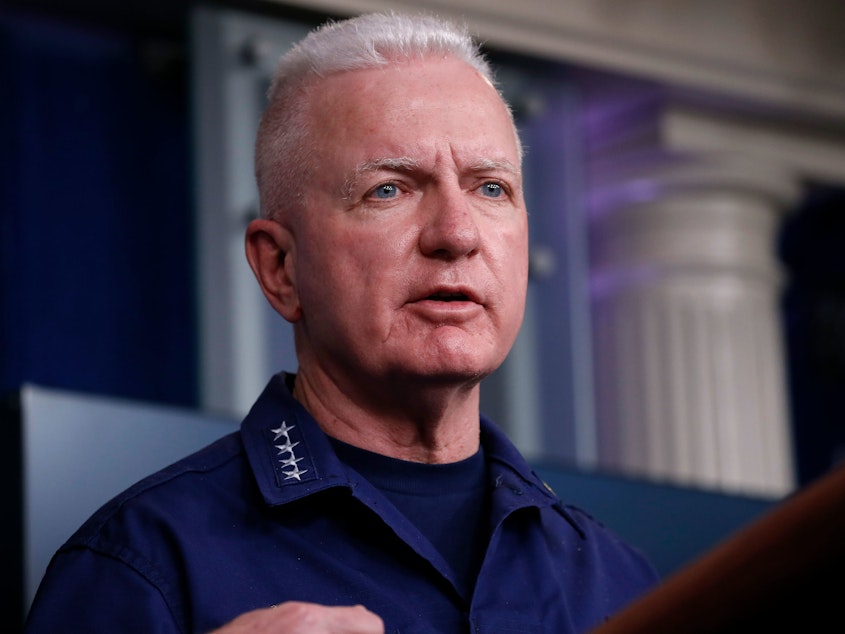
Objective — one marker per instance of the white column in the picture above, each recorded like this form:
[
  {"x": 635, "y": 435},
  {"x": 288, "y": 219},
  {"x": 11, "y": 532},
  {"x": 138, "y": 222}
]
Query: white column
[
  {"x": 690, "y": 383},
  {"x": 242, "y": 341}
]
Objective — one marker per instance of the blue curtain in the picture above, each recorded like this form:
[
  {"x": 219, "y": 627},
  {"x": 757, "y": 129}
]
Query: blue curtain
[{"x": 96, "y": 245}]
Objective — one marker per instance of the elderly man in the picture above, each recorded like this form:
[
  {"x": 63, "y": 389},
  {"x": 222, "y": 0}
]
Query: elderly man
[{"x": 365, "y": 493}]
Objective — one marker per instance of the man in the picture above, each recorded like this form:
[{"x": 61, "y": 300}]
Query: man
[{"x": 365, "y": 493}]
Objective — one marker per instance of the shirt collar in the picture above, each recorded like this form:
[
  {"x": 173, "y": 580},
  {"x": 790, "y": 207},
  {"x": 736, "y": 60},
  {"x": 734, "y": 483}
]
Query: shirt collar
[
  {"x": 289, "y": 454},
  {"x": 292, "y": 458},
  {"x": 514, "y": 478}
]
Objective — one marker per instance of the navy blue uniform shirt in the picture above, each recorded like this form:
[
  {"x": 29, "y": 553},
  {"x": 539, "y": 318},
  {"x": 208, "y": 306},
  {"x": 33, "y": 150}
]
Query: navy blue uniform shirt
[{"x": 271, "y": 514}]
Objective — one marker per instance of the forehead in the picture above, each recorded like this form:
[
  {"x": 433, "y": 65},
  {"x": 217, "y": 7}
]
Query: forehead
[{"x": 412, "y": 108}]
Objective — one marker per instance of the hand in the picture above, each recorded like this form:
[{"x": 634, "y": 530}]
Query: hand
[{"x": 295, "y": 617}]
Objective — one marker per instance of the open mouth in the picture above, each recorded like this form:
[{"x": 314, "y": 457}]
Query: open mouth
[{"x": 448, "y": 297}]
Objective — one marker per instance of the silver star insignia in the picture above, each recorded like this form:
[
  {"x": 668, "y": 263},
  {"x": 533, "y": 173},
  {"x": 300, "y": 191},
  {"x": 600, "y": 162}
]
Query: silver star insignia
[
  {"x": 291, "y": 462},
  {"x": 282, "y": 430},
  {"x": 295, "y": 474},
  {"x": 287, "y": 447}
]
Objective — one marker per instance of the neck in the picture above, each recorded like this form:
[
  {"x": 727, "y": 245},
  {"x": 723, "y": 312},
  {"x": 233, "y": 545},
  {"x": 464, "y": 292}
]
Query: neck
[{"x": 430, "y": 423}]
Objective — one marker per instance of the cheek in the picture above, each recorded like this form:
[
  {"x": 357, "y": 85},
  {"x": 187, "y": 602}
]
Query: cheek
[
  {"x": 512, "y": 257},
  {"x": 355, "y": 267},
  {"x": 378, "y": 251}
]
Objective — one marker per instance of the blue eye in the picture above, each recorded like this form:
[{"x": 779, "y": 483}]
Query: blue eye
[
  {"x": 385, "y": 191},
  {"x": 491, "y": 190}
]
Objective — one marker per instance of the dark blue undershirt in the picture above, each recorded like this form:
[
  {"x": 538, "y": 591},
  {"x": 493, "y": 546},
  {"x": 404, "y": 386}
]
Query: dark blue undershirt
[{"x": 448, "y": 503}]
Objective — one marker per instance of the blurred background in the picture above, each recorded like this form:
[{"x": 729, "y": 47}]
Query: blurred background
[{"x": 685, "y": 176}]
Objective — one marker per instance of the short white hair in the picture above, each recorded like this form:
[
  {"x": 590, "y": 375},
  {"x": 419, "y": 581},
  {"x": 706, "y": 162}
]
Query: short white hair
[{"x": 282, "y": 151}]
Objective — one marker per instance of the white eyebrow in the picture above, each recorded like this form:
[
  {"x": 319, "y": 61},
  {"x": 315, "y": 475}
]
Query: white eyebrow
[
  {"x": 399, "y": 164},
  {"x": 490, "y": 164},
  {"x": 407, "y": 164}
]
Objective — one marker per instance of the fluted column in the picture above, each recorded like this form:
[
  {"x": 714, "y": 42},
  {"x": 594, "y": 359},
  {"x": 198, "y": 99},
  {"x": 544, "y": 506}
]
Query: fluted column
[{"x": 689, "y": 356}]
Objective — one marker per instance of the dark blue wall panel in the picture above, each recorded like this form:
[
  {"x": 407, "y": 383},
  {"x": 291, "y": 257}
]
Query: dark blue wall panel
[{"x": 96, "y": 230}]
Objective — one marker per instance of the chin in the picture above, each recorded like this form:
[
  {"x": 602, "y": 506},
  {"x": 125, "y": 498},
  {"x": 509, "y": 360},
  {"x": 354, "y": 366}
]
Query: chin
[
  {"x": 457, "y": 371},
  {"x": 455, "y": 359},
  {"x": 444, "y": 379}
]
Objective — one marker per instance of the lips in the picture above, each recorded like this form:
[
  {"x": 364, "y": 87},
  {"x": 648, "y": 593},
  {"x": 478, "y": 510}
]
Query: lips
[{"x": 447, "y": 295}]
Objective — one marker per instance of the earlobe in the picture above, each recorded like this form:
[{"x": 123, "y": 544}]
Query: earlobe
[{"x": 271, "y": 253}]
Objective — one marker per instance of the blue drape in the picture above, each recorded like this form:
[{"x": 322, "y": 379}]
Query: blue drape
[{"x": 96, "y": 246}]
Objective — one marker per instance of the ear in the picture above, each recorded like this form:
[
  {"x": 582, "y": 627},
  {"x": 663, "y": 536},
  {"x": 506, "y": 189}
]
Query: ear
[{"x": 271, "y": 255}]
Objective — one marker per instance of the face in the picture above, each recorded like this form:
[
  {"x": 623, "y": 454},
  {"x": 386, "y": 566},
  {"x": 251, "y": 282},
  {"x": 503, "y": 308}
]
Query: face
[{"x": 409, "y": 258}]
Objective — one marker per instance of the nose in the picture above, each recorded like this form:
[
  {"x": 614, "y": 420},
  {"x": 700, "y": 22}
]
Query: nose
[{"x": 450, "y": 229}]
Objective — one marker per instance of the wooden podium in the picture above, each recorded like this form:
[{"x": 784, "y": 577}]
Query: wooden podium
[{"x": 783, "y": 573}]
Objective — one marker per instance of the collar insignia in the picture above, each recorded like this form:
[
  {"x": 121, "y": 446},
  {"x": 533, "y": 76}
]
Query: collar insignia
[{"x": 285, "y": 459}]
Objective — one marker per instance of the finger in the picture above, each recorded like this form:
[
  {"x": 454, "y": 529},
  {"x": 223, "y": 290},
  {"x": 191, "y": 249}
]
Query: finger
[
  {"x": 296, "y": 617},
  {"x": 354, "y": 620}
]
